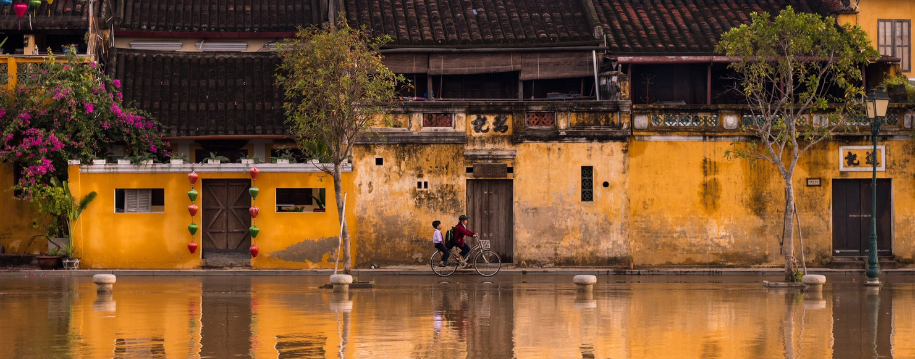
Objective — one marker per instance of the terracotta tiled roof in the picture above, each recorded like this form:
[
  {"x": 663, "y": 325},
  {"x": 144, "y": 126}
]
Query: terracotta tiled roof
[
  {"x": 685, "y": 26},
  {"x": 64, "y": 15},
  {"x": 218, "y": 15},
  {"x": 200, "y": 94},
  {"x": 466, "y": 22}
]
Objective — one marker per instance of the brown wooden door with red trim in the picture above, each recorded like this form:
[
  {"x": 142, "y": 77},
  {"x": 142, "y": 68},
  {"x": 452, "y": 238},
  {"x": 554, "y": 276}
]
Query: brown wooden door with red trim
[
  {"x": 491, "y": 211},
  {"x": 225, "y": 215},
  {"x": 851, "y": 217}
]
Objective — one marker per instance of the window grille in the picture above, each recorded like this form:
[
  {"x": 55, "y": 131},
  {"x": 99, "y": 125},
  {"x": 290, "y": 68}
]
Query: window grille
[{"x": 587, "y": 184}]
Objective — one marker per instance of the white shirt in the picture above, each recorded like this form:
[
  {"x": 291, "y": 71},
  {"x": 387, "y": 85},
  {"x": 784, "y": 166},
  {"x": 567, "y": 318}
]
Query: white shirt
[{"x": 437, "y": 236}]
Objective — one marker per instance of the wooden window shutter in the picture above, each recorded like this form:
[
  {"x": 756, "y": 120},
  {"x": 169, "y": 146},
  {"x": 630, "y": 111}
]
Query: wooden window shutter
[{"x": 137, "y": 200}]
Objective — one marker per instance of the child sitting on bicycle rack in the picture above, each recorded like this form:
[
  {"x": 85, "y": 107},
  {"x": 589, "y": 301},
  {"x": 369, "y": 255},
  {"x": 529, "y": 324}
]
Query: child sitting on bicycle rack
[
  {"x": 460, "y": 231},
  {"x": 439, "y": 243}
]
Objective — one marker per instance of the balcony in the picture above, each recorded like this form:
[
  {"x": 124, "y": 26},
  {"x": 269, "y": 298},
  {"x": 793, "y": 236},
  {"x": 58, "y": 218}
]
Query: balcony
[{"x": 16, "y": 69}]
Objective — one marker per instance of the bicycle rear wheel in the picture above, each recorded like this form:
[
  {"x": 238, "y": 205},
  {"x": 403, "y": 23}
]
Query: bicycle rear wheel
[
  {"x": 445, "y": 271},
  {"x": 487, "y": 263}
]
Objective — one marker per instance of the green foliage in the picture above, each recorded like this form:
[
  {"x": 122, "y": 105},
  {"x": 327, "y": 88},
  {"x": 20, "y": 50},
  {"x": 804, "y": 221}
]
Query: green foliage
[
  {"x": 286, "y": 154},
  {"x": 214, "y": 157},
  {"x": 901, "y": 80},
  {"x": 139, "y": 158},
  {"x": 797, "y": 276},
  {"x": 54, "y": 252},
  {"x": 70, "y": 250},
  {"x": 320, "y": 199},
  {"x": 57, "y": 202},
  {"x": 335, "y": 83},
  {"x": 318, "y": 150}
]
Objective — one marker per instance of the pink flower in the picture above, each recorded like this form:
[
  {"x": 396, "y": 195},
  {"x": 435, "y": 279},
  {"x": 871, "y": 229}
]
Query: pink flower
[
  {"x": 88, "y": 108},
  {"x": 117, "y": 83}
]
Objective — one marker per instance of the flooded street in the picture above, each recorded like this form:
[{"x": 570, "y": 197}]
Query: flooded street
[{"x": 456, "y": 317}]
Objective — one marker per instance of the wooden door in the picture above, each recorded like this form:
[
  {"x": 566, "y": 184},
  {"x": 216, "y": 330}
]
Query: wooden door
[
  {"x": 851, "y": 217},
  {"x": 489, "y": 206},
  {"x": 225, "y": 218}
]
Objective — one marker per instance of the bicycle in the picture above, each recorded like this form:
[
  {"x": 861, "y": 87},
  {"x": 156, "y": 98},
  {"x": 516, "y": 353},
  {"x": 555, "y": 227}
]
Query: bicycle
[{"x": 485, "y": 261}]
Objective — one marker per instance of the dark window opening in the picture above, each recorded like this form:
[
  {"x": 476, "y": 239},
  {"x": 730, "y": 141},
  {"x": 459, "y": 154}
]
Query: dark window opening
[
  {"x": 669, "y": 84},
  {"x": 469, "y": 170},
  {"x": 574, "y": 88},
  {"x": 587, "y": 183},
  {"x": 510, "y": 170},
  {"x": 414, "y": 88},
  {"x": 379, "y": 161},
  {"x": 139, "y": 200},
  {"x": 495, "y": 86},
  {"x": 300, "y": 200}
]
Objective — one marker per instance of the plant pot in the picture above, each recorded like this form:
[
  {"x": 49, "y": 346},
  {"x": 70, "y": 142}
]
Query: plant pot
[
  {"x": 176, "y": 162},
  {"x": 213, "y": 162},
  {"x": 71, "y": 263},
  {"x": 247, "y": 161},
  {"x": 282, "y": 162},
  {"x": 146, "y": 162},
  {"x": 50, "y": 262},
  {"x": 123, "y": 162},
  {"x": 99, "y": 162},
  {"x": 313, "y": 161}
]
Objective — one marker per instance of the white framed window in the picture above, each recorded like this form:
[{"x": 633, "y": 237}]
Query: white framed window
[
  {"x": 139, "y": 200},
  {"x": 894, "y": 38}
]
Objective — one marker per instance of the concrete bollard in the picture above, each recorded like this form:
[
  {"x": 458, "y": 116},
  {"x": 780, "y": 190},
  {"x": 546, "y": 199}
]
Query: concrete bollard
[
  {"x": 105, "y": 282},
  {"x": 585, "y": 282},
  {"x": 341, "y": 282},
  {"x": 814, "y": 282}
]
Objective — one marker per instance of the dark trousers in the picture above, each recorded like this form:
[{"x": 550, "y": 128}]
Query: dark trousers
[
  {"x": 445, "y": 251},
  {"x": 464, "y": 250}
]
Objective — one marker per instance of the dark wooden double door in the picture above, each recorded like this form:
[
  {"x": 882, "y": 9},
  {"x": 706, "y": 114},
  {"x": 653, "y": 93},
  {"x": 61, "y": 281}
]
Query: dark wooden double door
[
  {"x": 225, "y": 217},
  {"x": 851, "y": 217},
  {"x": 490, "y": 208}
]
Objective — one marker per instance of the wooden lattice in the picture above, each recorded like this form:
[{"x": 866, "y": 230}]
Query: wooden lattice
[
  {"x": 541, "y": 119},
  {"x": 438, "y": 120}
]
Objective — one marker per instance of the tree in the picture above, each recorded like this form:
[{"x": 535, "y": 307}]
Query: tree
[
  {"x": 790, "y": 68},
  {"x": 336, "y": 86}
]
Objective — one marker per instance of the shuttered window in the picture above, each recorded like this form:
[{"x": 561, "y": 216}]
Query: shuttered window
[
  {"x": 894, "y": 38},
  {"x": 142, "y": 200}
]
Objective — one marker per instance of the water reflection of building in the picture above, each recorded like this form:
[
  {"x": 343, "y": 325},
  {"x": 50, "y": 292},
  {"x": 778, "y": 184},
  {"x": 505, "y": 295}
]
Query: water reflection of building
[{"x": 226, "y": 317}]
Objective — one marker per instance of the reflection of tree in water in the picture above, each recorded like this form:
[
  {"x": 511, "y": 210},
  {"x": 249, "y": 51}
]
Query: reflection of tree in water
[{"x": 301, "y": 345}]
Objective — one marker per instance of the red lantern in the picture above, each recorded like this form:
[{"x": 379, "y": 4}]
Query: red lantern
[
  {"x": 253, "y": 251},
  {"x": 253, "y": 172},
  {"x": 20, "y": 9},
  {"x": 192, "y": 247},
  {"x": 193, "y": 176},
  {"x": 254, "y": 211},
  {"x": 192, "y": 209}
]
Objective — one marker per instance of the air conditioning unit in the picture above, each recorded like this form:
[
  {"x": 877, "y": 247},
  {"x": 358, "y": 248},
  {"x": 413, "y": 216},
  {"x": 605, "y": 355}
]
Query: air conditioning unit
[
  {"x": 156, "y": 45},
  {"x": 236, "y": 46}
]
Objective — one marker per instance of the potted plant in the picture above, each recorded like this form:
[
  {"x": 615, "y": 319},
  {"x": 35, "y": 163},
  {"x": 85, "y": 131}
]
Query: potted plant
[
  {"x": 143, "y": 159},
  {"x": 50, "y": 260},
  {"x": 99, "y": 161},
  {"x": 178, "y": 160},
  {"x": 213, "y": 159},
  {"x": 320, "y": 202},
  {"x": 249, "y": 160},
  {"x": 285, "y": 157},
  {"x": 57, "y": 202},
  {"x": 70, "y": 260}
]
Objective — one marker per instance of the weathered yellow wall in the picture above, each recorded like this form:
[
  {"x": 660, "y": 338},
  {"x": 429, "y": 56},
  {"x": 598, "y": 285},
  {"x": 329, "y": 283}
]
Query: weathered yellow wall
[
  {"x": 395, "y": 218},
  {"x": 872, "y": 10},
  {"x": 689, "y": 205},
  {"x": 552, "y": 224},
  {"x": 16, "y": 232},
  {"x": 159, "y": 240}
]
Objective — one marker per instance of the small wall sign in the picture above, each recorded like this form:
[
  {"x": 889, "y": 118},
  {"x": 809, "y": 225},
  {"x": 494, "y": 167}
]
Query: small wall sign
[
  {"x": 861, "y": 158},
  {"x": 813, "y": 182}
]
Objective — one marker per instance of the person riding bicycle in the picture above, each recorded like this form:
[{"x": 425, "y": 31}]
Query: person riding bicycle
[
  {"x": 439, "y": 243},
  {"x": 461, "y": 231}
]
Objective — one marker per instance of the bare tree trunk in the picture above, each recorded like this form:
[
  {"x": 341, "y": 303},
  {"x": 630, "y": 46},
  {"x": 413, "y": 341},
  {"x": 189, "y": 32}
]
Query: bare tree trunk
[
  {"x": 345, "y": 238},
  {"x": 788, "y": 224}
]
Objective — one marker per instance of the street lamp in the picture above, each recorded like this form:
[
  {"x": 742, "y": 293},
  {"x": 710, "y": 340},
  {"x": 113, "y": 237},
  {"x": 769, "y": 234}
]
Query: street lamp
[{"x": 877, "y": 102}]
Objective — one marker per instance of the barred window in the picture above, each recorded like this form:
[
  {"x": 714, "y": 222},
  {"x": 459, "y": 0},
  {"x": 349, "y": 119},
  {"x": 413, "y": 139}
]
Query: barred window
[{"x": 587, "y": 184}]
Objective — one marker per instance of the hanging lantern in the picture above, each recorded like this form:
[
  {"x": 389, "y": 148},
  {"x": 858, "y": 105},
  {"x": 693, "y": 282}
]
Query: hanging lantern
[
  {"x": 253, "y": 250},
  {"x": 192, "y": 194},
  {"x": 193, "y": 176},
  {"x": 254, "y": 191},
  {"x": 254, "y": 231},
  {"x": 6, "y": 2},
  {"x": 20, "y": 9},
  {"x": 192, "y": 247},
  {"x": 34, "y": 3},
  {"x": 254, "y": 211},
  {"x": 192, "y": 228},
  {"x": 192, "y": 209},
  {"x": 50, "y": 2},
  {"x": 253, "y": 172}
]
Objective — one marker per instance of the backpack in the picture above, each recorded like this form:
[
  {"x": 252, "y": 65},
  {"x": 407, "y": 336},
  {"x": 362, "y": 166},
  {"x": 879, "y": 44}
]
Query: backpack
[{"x": 449, "y": 238}]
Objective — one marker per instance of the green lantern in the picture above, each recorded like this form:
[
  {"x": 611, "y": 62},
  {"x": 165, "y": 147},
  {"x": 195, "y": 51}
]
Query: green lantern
[
  {"x": 193, "y": 228},
  {"x": 254, "y": 231},
  {"x": 254, "y": 191},
  {"x": 34, "y": 3},
  {"x": 192, "y": 194}
]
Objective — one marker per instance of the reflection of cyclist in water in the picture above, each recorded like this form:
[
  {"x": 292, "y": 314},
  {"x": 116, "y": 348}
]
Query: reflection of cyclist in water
[{"x": 445, "y": 313}]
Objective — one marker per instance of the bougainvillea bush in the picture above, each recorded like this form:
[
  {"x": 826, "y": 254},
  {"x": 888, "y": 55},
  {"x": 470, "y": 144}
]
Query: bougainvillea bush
[{"x": 69, "y": 110}]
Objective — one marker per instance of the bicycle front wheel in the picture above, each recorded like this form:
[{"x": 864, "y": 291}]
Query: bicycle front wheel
[
  {"x": 445, "y": 271},
  {"x": 487, "y": 263}
]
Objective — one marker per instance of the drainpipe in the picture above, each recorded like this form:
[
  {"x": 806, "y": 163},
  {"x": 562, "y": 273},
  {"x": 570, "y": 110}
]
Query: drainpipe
[{"x": 596, "y": 84}]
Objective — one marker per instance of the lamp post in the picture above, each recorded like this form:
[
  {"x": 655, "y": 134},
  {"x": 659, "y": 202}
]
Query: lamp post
[{"x": 877, "y": 102}]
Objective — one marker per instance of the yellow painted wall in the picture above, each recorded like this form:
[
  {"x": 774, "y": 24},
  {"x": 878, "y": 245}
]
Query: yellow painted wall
[
  {"x": 689, "y": 205},
  {"x": 16, "y": 232},
  {"x": 872, "y": 10},
  {"x": 159, "y": 240}
]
